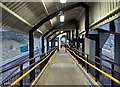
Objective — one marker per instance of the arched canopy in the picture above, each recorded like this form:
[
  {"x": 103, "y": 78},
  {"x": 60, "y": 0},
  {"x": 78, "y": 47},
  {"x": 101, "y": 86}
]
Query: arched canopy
[
  {"x": 72, "y": 22},
  {"x": 60, "y": 33},
  {"x": 57, "y": 12},
  {"x": 54, "y": 30}
]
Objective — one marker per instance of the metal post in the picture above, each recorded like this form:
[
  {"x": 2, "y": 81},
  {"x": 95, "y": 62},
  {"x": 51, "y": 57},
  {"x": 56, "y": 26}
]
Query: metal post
[
  {"x": 21, "y": 73},
  {"x": 31, "y": 55},
  {"x": 42, "y": 44},
  {"x": 83, "y": 47},
  {"x": 54, "y": 42},
  {"x": 47, "y": 43},
  {"x": 51, "y": 43},
  {"x": 87, "y": 64},
  {"x": 112, "y": 72},
  {"x": 69, "y": 37},
  {"x": 73, "y": 37},
  {"x": 87, "y": 20},
  {"x": 97, "y": 52},
  {"x": 58, "y": 44},
  {"x": 112, "y": 28},
  {"x": 77, "y": 37}
]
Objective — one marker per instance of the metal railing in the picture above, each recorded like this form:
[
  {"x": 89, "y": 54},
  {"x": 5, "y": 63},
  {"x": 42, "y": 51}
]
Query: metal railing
[
  {"x": 83, "y": 58},
  {"x": 21, "y": 71}
]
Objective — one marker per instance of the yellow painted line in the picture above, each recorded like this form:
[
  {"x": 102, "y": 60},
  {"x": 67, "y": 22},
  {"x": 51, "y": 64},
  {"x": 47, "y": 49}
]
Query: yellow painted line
[
  {"x": 24, "y": 75},
  {"x": 36, "y": 79},
  {"x": 104, "y": 73},
  {"x": 91, "y": 78}
]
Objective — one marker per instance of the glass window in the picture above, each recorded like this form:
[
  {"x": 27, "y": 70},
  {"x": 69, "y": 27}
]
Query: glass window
[
  {"x": 105, "y": 27},
  {"x": 117, "y": 25},
  {"x": 12, "y": 44}
]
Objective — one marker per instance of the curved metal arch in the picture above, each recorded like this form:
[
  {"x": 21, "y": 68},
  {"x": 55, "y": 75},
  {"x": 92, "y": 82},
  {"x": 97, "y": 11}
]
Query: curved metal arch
[
  {"x": 57, "y": 12},
  {"x": 31, "y": 35},
  {"x": 61, "y": 24},
  {"x": 59, "y": 34},
  {"x": 58, "y": 26},
  {"x": 54, "y": 38},
  {"x": 56, "y": 31}
]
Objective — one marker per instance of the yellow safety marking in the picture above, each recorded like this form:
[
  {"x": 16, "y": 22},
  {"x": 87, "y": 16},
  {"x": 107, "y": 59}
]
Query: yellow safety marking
[
  {"x": 36, "y": 79},
  {"x": 24, "y": 75},
  {"x": 92, "y": 79},
  {"x": 104, "y": 73}
]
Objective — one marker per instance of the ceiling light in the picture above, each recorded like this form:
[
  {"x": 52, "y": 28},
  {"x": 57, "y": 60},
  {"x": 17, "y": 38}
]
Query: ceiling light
[
  {"x": 40, "y": 31},
  {"x": 61, "y": 31},
  {"x": 62, "y": 18},
  {"x": 63, "y": 1}
]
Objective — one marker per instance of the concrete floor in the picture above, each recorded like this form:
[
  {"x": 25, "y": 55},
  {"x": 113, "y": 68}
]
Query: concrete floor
[{"x": 62, "y": 70}]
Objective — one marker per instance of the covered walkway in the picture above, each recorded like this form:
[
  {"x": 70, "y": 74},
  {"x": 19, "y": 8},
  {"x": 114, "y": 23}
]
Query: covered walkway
[
  {"x": 62, "y": 70},
  {"x": 33, "y": 32}
]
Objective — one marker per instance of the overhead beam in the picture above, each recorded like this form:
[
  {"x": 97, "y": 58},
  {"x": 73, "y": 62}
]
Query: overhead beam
[
  {"x": 56, "y": 27},
  {"x": 17, "y": 16},
  {"x": 56, "y": 13},
  {"x": 56, "y": 30},
  {"x": 59, "y": 34},
  {"x": 75, "y": 22},
  {"x": 46, "y": 11},
  {"x": 52, "y": 16}
]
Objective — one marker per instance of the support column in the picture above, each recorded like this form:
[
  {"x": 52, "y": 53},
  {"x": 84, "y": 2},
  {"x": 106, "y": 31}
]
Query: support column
[
  {"x": 58, "y": 44},
  {"x": 97, "y": 53},
  {"x": 116, "y": 52},
  {"x": 69, "y": 37},
  {"x": 87, "y": 21},
  {"x": 95, "y": 37},
  {"x": 42, "y": 44},
  {"x": 112, "y": 28},
  {"x": 47, "y": 43},
  {"x": 83, "y": 45},
  {"x": 51, "y": 43},
  {"x": 31, "y": 55},
  {"x": 77, "y": 38},
  {"x": 73, "y": 43},
  {"x": 117, "y": 57}
]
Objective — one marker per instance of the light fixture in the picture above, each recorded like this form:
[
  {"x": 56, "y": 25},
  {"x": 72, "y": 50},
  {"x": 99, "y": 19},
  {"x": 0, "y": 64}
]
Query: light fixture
[
  {"x": 63, "y": 1},
  {"x": 40, "y": 31},
  {"x": 62, "y": 18},
  {"x": 61, "y": 31}
]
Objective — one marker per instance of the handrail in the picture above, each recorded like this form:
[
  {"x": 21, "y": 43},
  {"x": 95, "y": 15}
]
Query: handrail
[
  {"x": 112, "y": 62},
  {"x": 26, "y": 55},
  {"x": 101, "y": 65},
  {"x": 104, "y": 73},
  {"x": 107, "y": 57},
  {"x": 24, "y": 75},
  {"x": 19, "y": 72},
  {"x": 5, "y": 80},
  {"x": 15, "y": 65},
  {"x": 34, "y": 82}
]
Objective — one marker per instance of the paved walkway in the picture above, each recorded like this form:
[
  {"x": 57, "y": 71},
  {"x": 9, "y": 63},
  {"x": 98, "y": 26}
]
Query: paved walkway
[{"x": 62, "y": 70}]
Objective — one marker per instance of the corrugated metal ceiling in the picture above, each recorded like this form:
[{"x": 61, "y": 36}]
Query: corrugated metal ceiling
[{"x": 30, "y": 13}]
